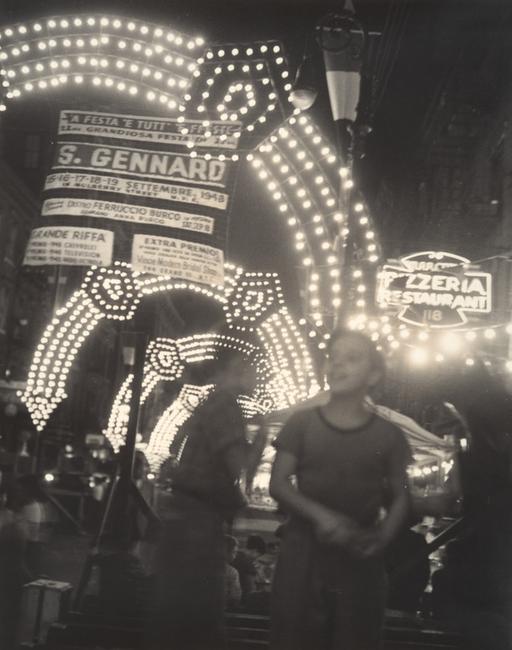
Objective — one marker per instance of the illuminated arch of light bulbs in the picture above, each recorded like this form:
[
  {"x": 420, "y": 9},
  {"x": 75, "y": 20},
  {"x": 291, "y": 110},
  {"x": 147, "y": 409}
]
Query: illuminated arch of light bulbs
[
  {"x": 252, "y": 302},
  {"x": 244, "y": 85},
  {"x": 295, "y": 163},
  {"x": 301, "y": 173},
  {"x": 124, "y": 55},
  {"x": 247, "y": 85},
  {"x": 166, "y": 360}
]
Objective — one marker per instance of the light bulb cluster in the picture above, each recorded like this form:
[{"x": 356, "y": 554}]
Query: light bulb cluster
[
  {"x": 292, "y": 377},
  {"x": 151, "y": 284},
  {"x": 55, "y": 26},
  {"x": 97, "y": 80},
  {"x": 148, "y": 61},
  {"x": 54, "y": 356},
  {"x": 243, "y": 85},
  {"x": 423, "y": 346},
  {"x": 170, "y": 422},
  {"x": 284, "y": 369},
  {"x": 367, "y": 236},
  {"x": 164, "y": 358},
  {"x": 251, "y": 407},
  {"x": 298, "y": 168},
  {"x": 117, "y": 425},
  {"x": 422, "y": 471},
  {"x": 163, "y": 363},
  {"x": 359, "y": 240},
  {"x": 230, "y": 83},
  {"x": 206, "y": 347},
  {"x": 105, "y": 293},
  {"x": 130, "y": 56},
  {"x": 428, "y": 346},
  {"x": 227, "y": 111},
  {"x": 113, "y": 293},
  {"x": 113, "y": 290},
  {"x": 255, "y": 295},
  {"x": 339, "y": 229}
]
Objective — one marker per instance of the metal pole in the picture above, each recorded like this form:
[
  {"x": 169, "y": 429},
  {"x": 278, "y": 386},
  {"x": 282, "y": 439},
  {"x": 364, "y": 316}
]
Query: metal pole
[
  {"x": 345, "y": 254},
  {"x": 134, "y": 345}
]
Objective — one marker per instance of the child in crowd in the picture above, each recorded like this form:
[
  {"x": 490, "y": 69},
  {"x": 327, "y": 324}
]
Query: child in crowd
[
  {"x": 330, "y": 584},
  {"x": 35, "y": 518},
  {"x": 246, "y": 563},
  {"x": 232, "y": 589}
]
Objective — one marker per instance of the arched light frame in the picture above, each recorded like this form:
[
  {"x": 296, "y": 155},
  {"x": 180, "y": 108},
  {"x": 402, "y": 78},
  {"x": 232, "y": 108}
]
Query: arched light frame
[
  {"x": 162, "y": 66},
  {"x": 166, "y": 360},
  {"x": 165, "y": 68},
  {"x": 180, "y": 74},
  {"x": 251, "y": 303},
  {"x": 120, "y": 54}
]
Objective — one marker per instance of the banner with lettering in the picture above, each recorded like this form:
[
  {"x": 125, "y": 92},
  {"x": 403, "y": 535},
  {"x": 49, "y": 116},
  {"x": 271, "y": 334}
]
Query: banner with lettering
[
  {"x": 69, "y": 246},
  {"x": 179, "y": 258},
  {"x": 142, "y": 176},
  {"x": 435, "y": 289}
]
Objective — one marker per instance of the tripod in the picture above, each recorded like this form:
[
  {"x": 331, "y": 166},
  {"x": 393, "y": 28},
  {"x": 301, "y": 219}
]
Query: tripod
[{"x": 124, "y": 500}]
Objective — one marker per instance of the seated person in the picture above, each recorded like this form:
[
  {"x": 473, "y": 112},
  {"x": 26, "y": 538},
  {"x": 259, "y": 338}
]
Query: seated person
[
  {"x": 232, "y": 588},
  {"x": 245, "y": 563}
]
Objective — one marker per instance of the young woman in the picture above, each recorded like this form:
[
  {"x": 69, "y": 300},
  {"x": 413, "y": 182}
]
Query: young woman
[{"x": 330, "y": 584}]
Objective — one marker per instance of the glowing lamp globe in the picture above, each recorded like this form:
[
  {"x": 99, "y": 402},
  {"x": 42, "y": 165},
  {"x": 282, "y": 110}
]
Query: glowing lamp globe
[{"x": 303, "y": 98}]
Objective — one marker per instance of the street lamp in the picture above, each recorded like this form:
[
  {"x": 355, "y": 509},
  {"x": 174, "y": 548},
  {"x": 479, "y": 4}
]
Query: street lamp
[
  {"x": 342, "y": 39},
  {"x": 304, "y": 91}
]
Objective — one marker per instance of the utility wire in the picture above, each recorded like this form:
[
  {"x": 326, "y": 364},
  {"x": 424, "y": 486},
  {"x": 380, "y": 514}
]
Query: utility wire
[
  {"x": 385, "y": 41},
  {"x": 399, "y": 39}
]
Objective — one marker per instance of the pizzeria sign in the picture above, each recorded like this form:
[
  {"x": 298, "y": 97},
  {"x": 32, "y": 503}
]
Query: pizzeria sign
[{"x": 436, "y": 289}]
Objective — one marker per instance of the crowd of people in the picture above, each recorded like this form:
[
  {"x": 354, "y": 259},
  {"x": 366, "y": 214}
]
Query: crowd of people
[
  {"x": 349, "y": 545},
  {"x": 340, "y": 476}
]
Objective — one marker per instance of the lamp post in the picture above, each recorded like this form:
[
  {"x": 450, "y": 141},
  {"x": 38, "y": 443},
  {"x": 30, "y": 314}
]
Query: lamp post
[{"x": 342, "y": 39}]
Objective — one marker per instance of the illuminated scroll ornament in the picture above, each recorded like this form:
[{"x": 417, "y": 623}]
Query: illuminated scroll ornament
[
  {"x": 115, "y": 293},
  {"x": 246, "y": 86}
]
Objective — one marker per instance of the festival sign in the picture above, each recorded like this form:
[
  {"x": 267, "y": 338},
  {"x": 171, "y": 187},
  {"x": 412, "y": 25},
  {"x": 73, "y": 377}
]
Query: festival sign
[
  {"x": 128, "y": 212},
  {"x": 147, "y": 190},
  {"x": 69, "y": 246},
  {"x": 220, "y": 135},
  {"x": 435, "y": 289},
  {"x": 141, "y": 172},
  {"x": 145, "y": 163},
  {"x": 177, "y": 258}
]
